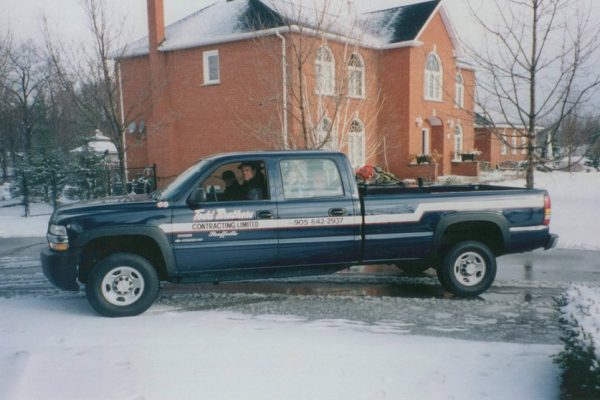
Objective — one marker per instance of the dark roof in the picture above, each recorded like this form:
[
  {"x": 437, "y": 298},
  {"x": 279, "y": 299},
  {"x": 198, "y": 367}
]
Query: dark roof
[
  {"x": 403, "y": 23},
  {"x": 222, "y": 19},
  {"x": 258, "y": 16}
]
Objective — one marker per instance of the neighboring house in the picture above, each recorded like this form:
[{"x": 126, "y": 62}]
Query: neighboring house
[
  {"x": 101, "y": 145},
  {"x": 215, "y": 82},
  {"x": 502, "y": 144}
]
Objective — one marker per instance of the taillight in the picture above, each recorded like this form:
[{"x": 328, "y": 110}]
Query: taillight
[{"x": 547, "y": 209}]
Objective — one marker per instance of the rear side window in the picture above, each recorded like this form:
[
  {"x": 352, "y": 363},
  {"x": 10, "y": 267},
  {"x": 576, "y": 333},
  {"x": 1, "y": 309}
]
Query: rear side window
[{"x": 310, "y": 178}]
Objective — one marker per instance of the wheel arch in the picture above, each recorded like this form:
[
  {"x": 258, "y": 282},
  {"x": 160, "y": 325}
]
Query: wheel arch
[
  {"x": 149, "y": 243},
  {"x": 488, "y": 228}
]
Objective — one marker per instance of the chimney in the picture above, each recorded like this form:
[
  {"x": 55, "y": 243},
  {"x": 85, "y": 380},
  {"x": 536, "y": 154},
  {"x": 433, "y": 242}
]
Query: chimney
[{"x": 156, "y": 24}]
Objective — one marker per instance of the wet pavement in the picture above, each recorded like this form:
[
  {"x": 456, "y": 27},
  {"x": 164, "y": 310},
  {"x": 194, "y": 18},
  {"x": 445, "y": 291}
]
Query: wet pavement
[{"x": 518, "y": 308}]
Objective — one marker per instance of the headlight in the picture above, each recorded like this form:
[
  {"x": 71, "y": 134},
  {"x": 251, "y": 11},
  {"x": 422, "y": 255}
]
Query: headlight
[
  {"x": 57, "y": 238},
  {"x": 58, "y": 230}
]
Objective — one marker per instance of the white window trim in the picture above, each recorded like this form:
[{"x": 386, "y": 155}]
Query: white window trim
[
  {"x": 514, "y": 144},
  {"x": 425, "y": 141},
  {"x": 436, "y": 76},
  {"x": 206, "y": 67},
  {"x": 319, "y": 66},
  {"x": 357, "y": 143},
  {"x": 524, "y": 144},
  {"x": 362, "y": 70},
  {"x": 504, "y": 144},
  {"x": 458, "y": 136},
  {"x": 460, "y": 91}
]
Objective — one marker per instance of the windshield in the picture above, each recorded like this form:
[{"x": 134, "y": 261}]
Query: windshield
[{"x": 181, "y": 181}]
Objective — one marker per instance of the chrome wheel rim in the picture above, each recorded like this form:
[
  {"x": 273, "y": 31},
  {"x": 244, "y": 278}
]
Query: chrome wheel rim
[
  {"x": 122, "y": 286},
  {"x": 469, "y": 268}
]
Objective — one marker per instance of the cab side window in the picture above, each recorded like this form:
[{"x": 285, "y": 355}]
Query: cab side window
[
  {"x": 310, "y": 178},
  {"x": 238, "y": 181}
]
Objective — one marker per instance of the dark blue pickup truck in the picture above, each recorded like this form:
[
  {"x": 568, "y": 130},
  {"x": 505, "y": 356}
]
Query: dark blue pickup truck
[{"x": 257, "y": 215}]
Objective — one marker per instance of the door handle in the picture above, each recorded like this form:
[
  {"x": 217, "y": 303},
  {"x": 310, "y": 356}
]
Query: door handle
[
  {"x": 337, "y": 212},
  {"x": 264, "y": 214}
]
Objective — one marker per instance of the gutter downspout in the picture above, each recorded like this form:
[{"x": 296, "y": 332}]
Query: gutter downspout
[
  {"x": 284, "y": 92},
  {"x": 123, "y": 128}
]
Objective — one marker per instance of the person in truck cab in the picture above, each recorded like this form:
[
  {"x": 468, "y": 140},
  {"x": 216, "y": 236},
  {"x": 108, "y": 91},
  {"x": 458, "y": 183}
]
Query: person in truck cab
[
  {"x": 233, "y": 190},
  {"x": 254, "y": 186}
]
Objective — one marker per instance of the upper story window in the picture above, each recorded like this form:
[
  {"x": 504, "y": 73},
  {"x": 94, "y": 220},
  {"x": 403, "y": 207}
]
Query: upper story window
[
  {"x": 325, "y": 71},
  {"x": 356, "y": 76},
  {"x": 514, "y": 145},
  {"x": 326, "y": 137},
  {"x": 460, "y": 91},
  {"x": 433, "y": 78},
  {"x": 357, "y": 144},
  {"x": 211, "y": 67},
  {"x": 458, "y": 141}
]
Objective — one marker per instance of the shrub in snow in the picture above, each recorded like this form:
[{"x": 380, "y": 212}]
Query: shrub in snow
[
  {"x": 580, "y": 324},
  {"x": 87, "y": 178}
]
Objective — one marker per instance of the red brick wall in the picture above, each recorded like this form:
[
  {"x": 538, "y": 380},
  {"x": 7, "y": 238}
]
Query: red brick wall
[
  {"x": 490, "y": 145},
  {"x": 187, "y": 120}
]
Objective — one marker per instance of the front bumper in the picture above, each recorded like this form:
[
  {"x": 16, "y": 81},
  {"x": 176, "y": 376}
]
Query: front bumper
[
  {"x": 60, "y": 269},
  {"x": 552, "y": 241}
]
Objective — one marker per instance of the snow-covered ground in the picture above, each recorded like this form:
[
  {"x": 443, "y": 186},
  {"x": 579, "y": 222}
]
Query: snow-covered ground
[
  {"x": 575, "y": 206},
  {"x": 54, "y": 347},
  {"x": 57, "y": 349}
]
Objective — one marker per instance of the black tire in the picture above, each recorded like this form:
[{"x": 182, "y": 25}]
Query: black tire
[
  {"x": 413, "y": 269},
  {"x": 468, "y": 269},
  {"x": 122, "y": 285}
]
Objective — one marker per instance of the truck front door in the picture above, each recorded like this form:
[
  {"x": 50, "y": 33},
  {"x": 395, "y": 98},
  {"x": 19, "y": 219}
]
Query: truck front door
[{"x": 233, "y": 227}]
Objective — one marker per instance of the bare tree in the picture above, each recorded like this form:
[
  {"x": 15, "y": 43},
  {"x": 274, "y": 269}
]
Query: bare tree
[
  {"x": 5, "y": 131},
  {"x": 90, "y": 75},
  {"x": 25, "y": 76},
  {"x": 538, "y": 67},
  {"x": 322, "y": 65}
]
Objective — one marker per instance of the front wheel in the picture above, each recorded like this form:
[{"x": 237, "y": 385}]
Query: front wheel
[
  {"x": 468, "y": 269},
  {"x": 122, "y": 285}
]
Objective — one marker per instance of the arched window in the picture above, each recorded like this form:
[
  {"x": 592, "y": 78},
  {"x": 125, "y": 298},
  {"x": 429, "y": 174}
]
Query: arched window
[
  {"x": 460, "y": 91},
  {"x": 325, "y": 71},
  {"x": 326, "y": 135},
  {"x": 458, "y": 142},
  {"x": 356, "y": 76},
  {"x": 357, "y": 144},
  {"x": 433, "y": 78}
]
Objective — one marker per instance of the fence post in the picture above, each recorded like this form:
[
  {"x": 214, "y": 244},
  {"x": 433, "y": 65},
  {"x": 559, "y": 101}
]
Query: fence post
[
  {"x": 54, "y": 189},
  {"x": 108, "y": 181},
  {"x": 25, "y": 195},
  {"x": 154, "y": 182}
]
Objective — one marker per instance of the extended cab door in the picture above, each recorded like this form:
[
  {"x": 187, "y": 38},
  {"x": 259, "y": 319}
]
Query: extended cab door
[
  {"x": 232, "y": 230},
  {"x": 319, "y": 215}
]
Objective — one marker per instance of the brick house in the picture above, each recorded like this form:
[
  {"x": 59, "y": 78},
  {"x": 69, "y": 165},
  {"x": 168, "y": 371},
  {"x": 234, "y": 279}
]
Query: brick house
[
  {"x": 225, "y": 79},
  {"x": 504, "y": 149}
]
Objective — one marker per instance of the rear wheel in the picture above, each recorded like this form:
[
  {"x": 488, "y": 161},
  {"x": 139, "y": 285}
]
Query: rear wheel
[
  {"x": 122, "y": 285},
  {"x": 468, "y": 269}
]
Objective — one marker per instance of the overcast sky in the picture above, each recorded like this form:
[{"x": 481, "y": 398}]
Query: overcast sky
[{"x": 66, "y": 16}]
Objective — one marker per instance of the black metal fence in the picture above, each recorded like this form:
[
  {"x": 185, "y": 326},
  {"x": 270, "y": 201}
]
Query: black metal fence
[{"x": 57, "y": 187}]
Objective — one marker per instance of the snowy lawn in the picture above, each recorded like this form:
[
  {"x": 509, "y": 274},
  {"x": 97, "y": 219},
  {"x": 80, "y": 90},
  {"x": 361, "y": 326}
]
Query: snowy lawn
[
  {"x": 13, "y": 224},
  {"x": 56, "y": 348},
  {"x": 575, "y": 200}
]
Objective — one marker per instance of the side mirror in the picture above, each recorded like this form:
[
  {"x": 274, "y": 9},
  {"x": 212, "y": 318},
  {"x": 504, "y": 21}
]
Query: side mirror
[{"x": 198, "y": 196}]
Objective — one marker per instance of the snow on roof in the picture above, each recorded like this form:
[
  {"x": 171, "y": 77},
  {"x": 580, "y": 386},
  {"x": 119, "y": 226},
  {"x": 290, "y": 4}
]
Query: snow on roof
[
  {"x": 100, "y": 144},
  {"x": 222, "y": 20}
]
